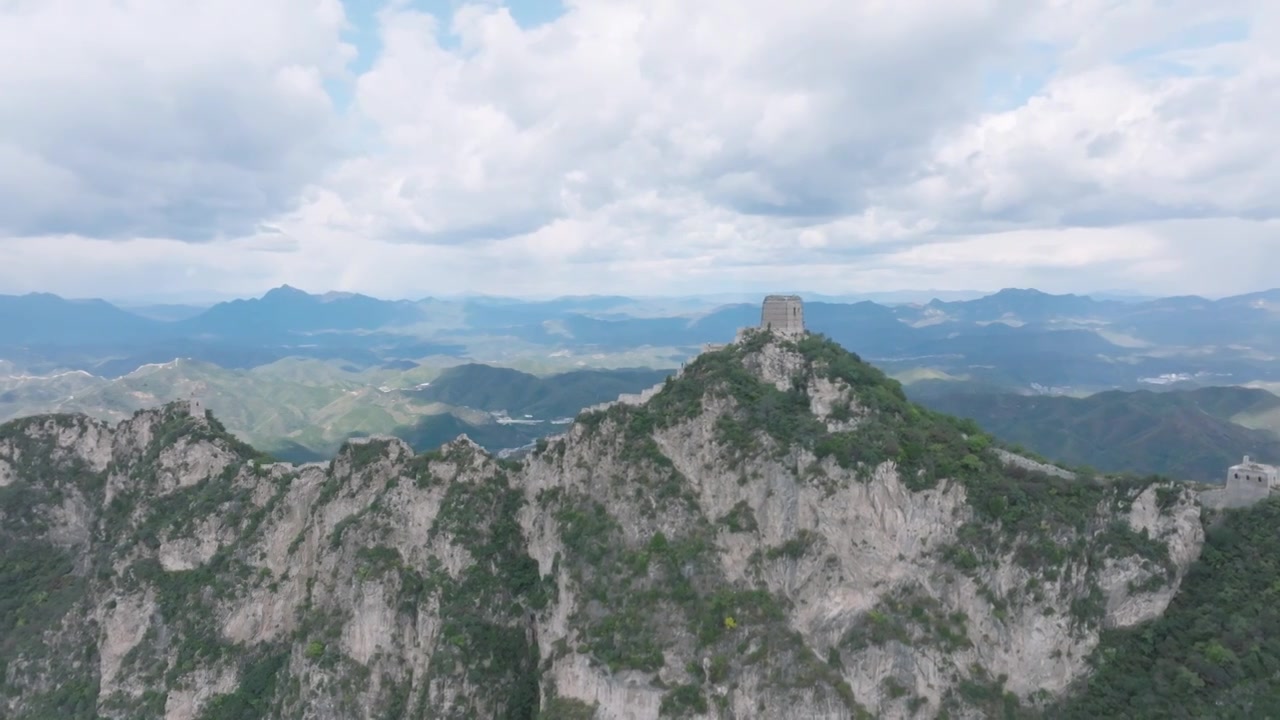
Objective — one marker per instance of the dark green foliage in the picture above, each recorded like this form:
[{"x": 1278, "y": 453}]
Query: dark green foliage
[
  {"x": 683, "y": 701},
  {"x": 397, "y": 701},
  {"x": 1167, "y": 497},
  {"x": 640, "y": 591},
  {"x": 253, "y": 698},
  {"x": 1185, "y": 434},
  {"x": 420, "y": 469},
  {"x": 794, "y": 548},
  {"x": 217, "y": 431},
  {"x": 925, "y": 445},
  {"x": 1046, "y": 521},
  {"x": 377, "y": 561},
  {"x": 652, "y": 473},
  {"x": 74, "y": 697},
  {"x": 558, "y": 708},
  {"x": 37, "y": 587},
  {"x": 360, "y": 454},
  {"x": 1009, "y": 502},
  {"x": 176, "y": 424},
  {"x": 1119, "y": 540},
  {"x": 42, "y": 586},
  {"x": 986, "y": 694},
  {"x": 911, "y": 617},
  {"x": 1215, "y": 652},
  {"x": 41, "y": 465},
  {"x": 485, "y": 612},
  {"x": 740, "y": 518},
  {"x": 187, "y": 600},
  {"x": 365, "y": 453},
  {"x": 629, "y": 594},
  {"x": 178, "y": 513}
]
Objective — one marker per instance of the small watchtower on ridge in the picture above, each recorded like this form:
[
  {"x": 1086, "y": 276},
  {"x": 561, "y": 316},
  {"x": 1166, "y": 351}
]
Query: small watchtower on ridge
[
  {"x": 783, "y": 314},
  {"x": 195, "y": 407},
  {"x": 1248, "y": 483},
  {"x": 1251, "y": 472}
]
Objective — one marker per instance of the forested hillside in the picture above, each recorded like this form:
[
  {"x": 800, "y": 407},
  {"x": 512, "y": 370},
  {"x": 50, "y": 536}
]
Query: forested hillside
[
  {"x": 1215, "y": 653},
  {"x": 1189, "y": 435}
]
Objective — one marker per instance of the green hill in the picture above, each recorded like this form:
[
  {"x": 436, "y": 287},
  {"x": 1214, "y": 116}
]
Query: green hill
[
  {"x": 1215, "y": 653},
  {"x": 302, "y": 409},
  {"x": 1184, "y": 434},
  {"x": 495, "y": 389}
]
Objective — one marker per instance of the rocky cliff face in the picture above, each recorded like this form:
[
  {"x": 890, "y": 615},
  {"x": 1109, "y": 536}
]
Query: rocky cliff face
[{"x": 777, "y": 533}]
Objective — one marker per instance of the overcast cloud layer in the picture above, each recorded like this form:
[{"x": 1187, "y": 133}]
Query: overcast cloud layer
[{"x": 193, "y": 150}]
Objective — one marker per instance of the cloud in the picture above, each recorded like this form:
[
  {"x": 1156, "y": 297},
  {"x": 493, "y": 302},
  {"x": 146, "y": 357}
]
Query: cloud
[
  {"x": 641, "y": 146},
  {"x": 789, "y": 110},
  {"x": 153, "y": 118},
  {"x": 1108, "y": 146}
]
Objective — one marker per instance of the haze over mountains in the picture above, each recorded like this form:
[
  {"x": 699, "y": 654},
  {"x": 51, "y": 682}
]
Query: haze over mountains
[
  {"x": 399, "y": 360},
  {"x": 298, "y": 373},
  {"x": 1185, "y": 335}
]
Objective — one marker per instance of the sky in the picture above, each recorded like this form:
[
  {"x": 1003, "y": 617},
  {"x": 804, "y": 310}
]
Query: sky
[{"x": 180, "y": 152}]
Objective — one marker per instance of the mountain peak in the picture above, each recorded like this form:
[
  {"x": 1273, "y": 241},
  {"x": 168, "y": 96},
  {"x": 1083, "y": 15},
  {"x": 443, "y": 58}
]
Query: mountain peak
[
  {"x": 811, "y": 396},
  {"x": 773, "y": 530},
  {"x": 1021, "y": 292},
  {"x": 285, "y": 291}
]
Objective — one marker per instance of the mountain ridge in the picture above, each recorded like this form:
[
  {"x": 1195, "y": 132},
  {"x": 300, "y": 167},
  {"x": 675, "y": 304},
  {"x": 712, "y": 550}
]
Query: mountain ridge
[
  {"x": 1013, "y": 338},
  {"x": 769, "y": 536},
  {"x": 1184, "y": 434}
]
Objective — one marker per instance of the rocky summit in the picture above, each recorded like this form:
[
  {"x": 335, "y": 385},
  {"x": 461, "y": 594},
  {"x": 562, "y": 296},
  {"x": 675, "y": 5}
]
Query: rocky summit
[{"x": 776, "y": 533}]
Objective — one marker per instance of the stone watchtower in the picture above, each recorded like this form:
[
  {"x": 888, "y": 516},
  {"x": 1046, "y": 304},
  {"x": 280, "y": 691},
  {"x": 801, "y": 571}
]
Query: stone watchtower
[
  {"x": 1252, "y": 473},
  {"x": 783, "y": 314},
  {"x": 1248, "y": 483}
]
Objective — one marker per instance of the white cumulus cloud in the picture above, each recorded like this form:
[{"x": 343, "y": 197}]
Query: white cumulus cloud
[
  {"x": 128, "y": 118},
  {"x": 638, "y": 146}
]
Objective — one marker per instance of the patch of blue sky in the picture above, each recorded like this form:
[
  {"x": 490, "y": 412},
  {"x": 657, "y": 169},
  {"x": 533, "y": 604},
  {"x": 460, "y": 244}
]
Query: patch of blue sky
[
  {"x": 1168, "y": 56},
  {"x": 1011, "y": 86},
  {"x": 363, "y": 16},
  {"x": 364, "y": 35}
]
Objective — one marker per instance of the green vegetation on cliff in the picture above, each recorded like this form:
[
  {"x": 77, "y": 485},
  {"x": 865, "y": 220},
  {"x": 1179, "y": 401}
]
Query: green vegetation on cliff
[
  {"x": 1215, "y": 652},
  {"x": 1049, "y": 524},
  {"x": 485, "y": 611},
  {"x": 407, "y": 584},
  {"x": 925, "y": 445}
]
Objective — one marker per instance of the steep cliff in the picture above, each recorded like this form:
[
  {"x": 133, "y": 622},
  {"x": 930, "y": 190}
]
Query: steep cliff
[{"x": 776, "y": 533}]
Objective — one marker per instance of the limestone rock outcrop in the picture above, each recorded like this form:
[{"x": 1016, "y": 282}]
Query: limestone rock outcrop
[{"x": 775, "y": 533}]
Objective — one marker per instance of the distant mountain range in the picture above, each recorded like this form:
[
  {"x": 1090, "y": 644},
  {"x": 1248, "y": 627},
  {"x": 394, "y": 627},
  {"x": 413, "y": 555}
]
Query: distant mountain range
[
  {"x": 297, "y": 373},
  {"x": 1190, "y": 435},
  {"x": 1014, "y": 338},
  {"x": 302, "y": 410}
]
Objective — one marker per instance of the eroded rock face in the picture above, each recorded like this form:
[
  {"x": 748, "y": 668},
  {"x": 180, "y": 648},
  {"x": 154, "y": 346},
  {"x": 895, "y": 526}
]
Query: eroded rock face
[
  {"x": 769, "y": 536},
  {"x": 845, "y": 548}
]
